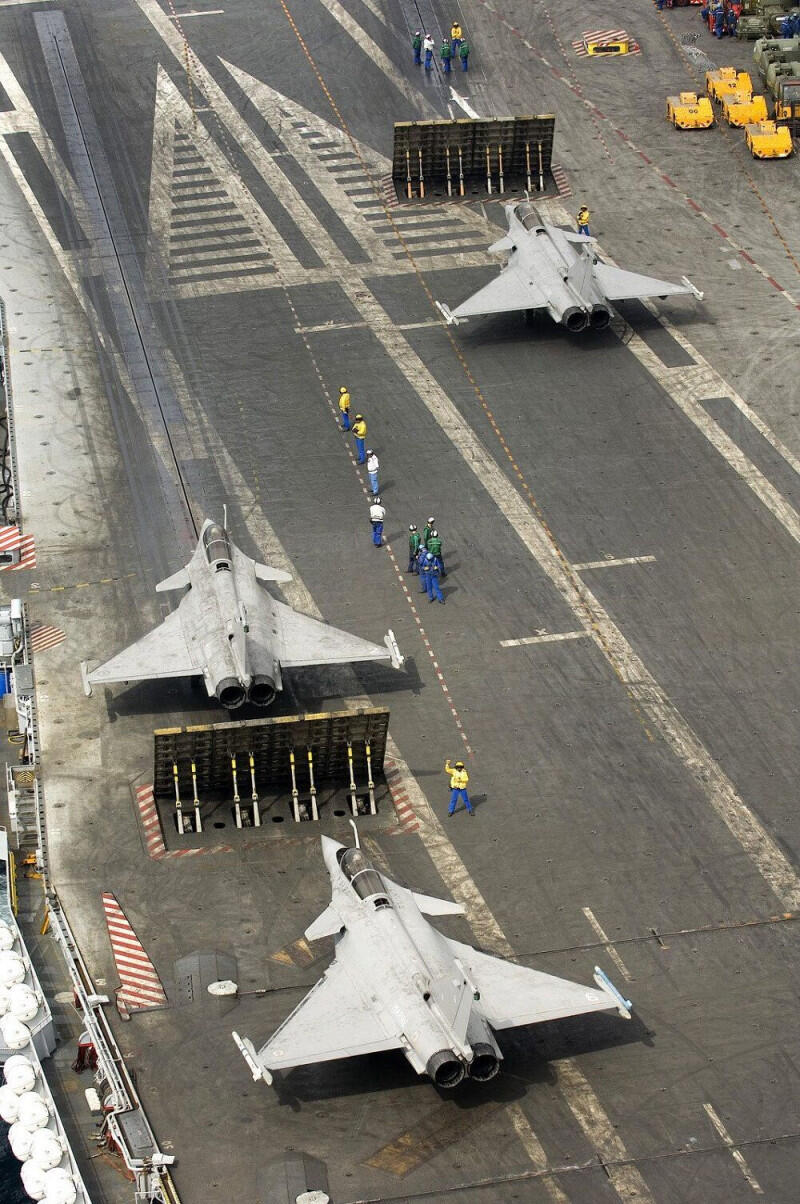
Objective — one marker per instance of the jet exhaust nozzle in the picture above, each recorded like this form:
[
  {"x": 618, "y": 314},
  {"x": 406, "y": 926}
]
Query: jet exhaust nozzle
[
  {"x": 575, "y": 320},
  {"x": 231, "y": 693},
  {"x": 262, "y": 691},
  {"x": 485, "y": 1062},
  {"x": 445, "y": 1068},
  {"x": 600, "y": 317}
]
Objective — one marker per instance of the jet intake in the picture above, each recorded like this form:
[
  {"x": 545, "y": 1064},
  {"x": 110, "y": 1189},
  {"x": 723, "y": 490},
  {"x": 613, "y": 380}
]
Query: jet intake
[
  {"x": 600, "y": 317},
  {"x": 485, "y": 1062},
  {"x": 231, "y": 693},
  {"x": 262, "y": 690},
  {"x": 575, "y": 319},
  {"x": 445, "y": 1068}
]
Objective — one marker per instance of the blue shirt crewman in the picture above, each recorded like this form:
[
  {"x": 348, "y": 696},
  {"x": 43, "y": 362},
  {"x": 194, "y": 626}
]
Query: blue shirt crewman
[
  {"x": 434, "y": 589},
  {"x": 424, "y": 569}
]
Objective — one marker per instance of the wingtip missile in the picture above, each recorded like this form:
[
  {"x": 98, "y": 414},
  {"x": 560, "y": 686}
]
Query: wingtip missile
[
  {"x": 447, "y": 313},
  {"x": 247, "y": 1050},
  {"x": 695, "y": 291},
  {"x": 395, "y": 655},
  {"x": 604, "y": 982}
]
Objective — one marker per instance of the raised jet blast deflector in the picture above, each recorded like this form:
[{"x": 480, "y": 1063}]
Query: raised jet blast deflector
[
  {"x": 548, "y": 268},
  {"x": 398, "y": 983},
  {"x": 233, "y": 633}
]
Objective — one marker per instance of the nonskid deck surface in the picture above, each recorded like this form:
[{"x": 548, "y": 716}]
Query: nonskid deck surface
[{"x": 614, "y": 659}]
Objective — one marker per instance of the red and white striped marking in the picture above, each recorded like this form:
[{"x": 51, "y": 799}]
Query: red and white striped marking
[
  {"x": 560, "y": 177},
  {"x": 406, "y": 815},
  {"x": 389, "y": 192},
  {"x": 10, "y": 538},
  {"x": 141, "y": 987},
  {"x": 42, "y": 637},
  {"x": 604, "y": 36},
  {"x": 154, "y": 836}
]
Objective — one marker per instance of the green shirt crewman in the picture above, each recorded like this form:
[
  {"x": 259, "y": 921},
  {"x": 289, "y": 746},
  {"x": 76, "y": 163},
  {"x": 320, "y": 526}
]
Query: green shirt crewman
[
  {"x": 414, "y": 541},
  {"x": 434, "y": 545}
]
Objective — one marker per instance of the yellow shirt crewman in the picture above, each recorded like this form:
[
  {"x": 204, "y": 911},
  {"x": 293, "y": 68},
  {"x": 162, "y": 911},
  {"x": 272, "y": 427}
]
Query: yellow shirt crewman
[
  {"x": 344, "y": 406},
  {"x": 458, "y": 785},
  {"x": 583, "y": 220},
  {"x": 456, "y": 36},
  {"x": 360, "y": 435}
]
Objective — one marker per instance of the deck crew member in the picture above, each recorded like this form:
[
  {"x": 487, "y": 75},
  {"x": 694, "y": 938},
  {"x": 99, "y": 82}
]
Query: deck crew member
[
  {"x": 372, "y": 470},
  {"x": 414, "y": 541},
  {"x": 377, "y": 514},
  {"x": 458, "y": 786},
  {"x": 344, "y": 407},
  {"x": 360, "y": 435}
]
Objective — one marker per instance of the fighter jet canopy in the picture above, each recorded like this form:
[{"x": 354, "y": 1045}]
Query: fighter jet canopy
[
  {"x": 216, "y": 544},
  {"x": 359, "y": 871}
]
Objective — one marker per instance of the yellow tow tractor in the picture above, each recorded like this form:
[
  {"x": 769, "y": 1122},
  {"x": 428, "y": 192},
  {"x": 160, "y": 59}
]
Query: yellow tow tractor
[
  {"x": 740, "y": 110},
  {"x": 726, "y": 80},
  {"x": 688, "y": 111},
  {"x": 766, "y": 140}
]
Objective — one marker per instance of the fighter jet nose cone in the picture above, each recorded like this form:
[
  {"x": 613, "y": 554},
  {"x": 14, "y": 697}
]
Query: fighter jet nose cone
[{"x": 330, "y": 848}]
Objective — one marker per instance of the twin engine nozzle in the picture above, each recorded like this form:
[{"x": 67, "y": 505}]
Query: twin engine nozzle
[
  {"x": 447, "y": 1069},
  {"x": 232, "y": 694},
  {"x": 577, "y": 319}
]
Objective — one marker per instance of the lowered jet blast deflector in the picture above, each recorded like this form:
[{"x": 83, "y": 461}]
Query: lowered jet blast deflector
[
  {"x": 234, "y": 634},
  {"x": 558, "y": 271},
  {"x": 398, "y": 983}
]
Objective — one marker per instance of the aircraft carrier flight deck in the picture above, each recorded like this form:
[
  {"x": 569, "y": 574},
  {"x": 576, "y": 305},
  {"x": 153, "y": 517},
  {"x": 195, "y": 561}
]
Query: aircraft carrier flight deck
[{"x": 201, "y": 243}]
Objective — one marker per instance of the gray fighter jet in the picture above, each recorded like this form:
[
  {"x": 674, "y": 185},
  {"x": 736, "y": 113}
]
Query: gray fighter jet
[
  {"x": 233, "y": 633},
  {"x": 554, "y": 269},
  {"x": 397, "y": 983}
]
